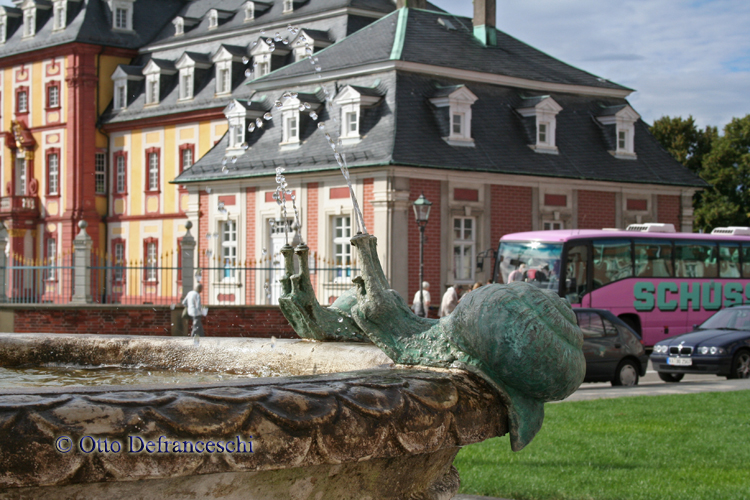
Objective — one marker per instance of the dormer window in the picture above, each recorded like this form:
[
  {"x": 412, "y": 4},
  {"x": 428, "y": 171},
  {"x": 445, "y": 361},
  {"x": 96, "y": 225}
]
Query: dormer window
[
  {"x": 623, "y": 117},
  {"x": 59, "y": 14},
  {"x": 288, "y": 6},
  {"x": 3, "y": 29},
  {"x": 226, "y": 60},
  {"x": 543, "y": 110},
  {"x": 309, "y": 41},
  {"x": 351, "y": 100},
  {"x": 223, "y": 79},
  {"x": 453, "y": 105},
  {"x": 126, "y": 79},
  {"x": 154, "y": 70},
  {"x": 121, "y": 101},
  {"x": 290, "y": 122},
  {"x": 266, "y": 58},
  {"x": 238, "y": 113},
  {"x": 6, "y": 14},
  {"x": 122, "y": 14},
  {"x": 187, "y": 64},
  {"x": 213, "y": 19},
  {"x": 179, "y": 26},
  {"x": 186, "y": 83}
]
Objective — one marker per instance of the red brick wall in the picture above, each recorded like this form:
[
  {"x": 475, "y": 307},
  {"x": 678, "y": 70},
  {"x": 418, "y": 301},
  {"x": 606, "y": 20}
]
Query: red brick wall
[
  {"x": 201, "y": 246},
  {"x": 251, "y": 253},
  {"x": 668, "y": 208},
  {"x": 511, "y": 211},
  {"x": 368, "y": 211},
  {"x": 596, "y": 209},
  {"x": 432, "y": 244},
  {"x": 312, "y": 216},
  {"x": 238, "y": 321}
]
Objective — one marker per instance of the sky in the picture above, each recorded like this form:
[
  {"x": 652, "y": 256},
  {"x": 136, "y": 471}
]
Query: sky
[{"x": 683, "y": 57}]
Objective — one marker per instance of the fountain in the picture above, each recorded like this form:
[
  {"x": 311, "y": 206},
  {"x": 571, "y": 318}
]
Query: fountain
[{"x": 373, "y": 402}]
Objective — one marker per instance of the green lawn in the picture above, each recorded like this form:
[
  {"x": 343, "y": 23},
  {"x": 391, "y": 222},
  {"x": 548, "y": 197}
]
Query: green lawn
[{"x": 682, "y": 447}]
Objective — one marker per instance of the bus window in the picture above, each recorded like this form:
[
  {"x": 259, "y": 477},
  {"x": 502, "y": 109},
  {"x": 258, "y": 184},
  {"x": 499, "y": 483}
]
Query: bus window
[
  {"x": 729, "y": 260},
  {"x": 653, "y": 258},
  {"x": 576, "y": 285},
  {"x": 612, "y": 261},
  {"x": 531, "y": 261},
  {"x": 746, "y": 261},
  {"x": 695, "y": 260},
  {"x": 591, "y": 324}
]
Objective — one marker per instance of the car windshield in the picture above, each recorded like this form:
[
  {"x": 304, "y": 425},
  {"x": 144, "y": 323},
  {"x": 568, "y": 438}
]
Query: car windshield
[
  {"x": 531, "y": 261},
  {"x": 728, "y": 319}
]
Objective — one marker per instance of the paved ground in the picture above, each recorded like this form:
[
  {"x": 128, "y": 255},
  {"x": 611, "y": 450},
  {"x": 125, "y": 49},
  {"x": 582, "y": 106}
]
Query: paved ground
[{"x": 650, "y": 385}]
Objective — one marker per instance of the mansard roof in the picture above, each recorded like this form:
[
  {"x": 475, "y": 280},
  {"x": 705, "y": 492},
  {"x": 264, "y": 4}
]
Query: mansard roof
[
  {"x": 417, "y": 36},
  {"x": 90, "y": 21},
  {"x": 501, "y": 139}
]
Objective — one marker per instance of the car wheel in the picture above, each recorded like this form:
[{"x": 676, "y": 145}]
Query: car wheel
[
  {"x": 671, "y": 378},
  {"x": 740, "y": 365},
  {"x": 626, "y": 374}
]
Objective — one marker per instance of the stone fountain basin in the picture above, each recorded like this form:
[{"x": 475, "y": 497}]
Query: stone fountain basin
[{"x": 328, "y": 421}]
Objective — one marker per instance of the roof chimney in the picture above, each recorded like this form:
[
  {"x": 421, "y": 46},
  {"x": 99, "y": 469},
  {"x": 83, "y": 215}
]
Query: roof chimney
[
  {"x": 412, "y": 4},
  {"x": 484, "y": 22}
]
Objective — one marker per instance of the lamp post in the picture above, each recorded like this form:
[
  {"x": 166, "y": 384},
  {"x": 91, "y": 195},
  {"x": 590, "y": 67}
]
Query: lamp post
[{"x": 422, "y": 215}]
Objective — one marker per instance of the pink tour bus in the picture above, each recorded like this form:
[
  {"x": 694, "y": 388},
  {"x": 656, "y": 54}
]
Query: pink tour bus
[{"x": 658, "y": 281}]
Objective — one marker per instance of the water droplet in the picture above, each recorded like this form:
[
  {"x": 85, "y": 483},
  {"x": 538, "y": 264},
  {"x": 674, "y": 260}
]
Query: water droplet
[
  {"x": 172, "y": 306},
  {"x": 259, "y": 123},
  {"x": 286, "y": 95},
  {"x": 269, "y": 41},
  {"x": 248, "y": 72},
  {"x": 254, "y": 44},
  {"x": 272, "y": 47},
  {"x": 251, "y": 127},
  {"x": 231, "y": 106},
  {"x": 294, "y": 197},
  {"x": 286, "y": 42},
  {"x": 273, "y": 223},
  {"x": 313, "y": 115},
  {"x": 208, "y": 236},
  {"x": 289, "y": 27},
  {"x": 224, "y": 161},
  {"x": 277, "y": 38},
  {"x": 268, "y": 116},
  {"x": 245, "y": 59},
  {"x": 262, "y": 32},
  {"x": 294, "y": 95},
  {"x": 315, "y": 59},
  {"x": 307, "y": 105},
  {"x": 208, "y": 190},
  {"x": 245, "y": 146},
  {"x": 308, "y": 51},
  {"x": 341, "y": 320},
  {"x": 302, "y": 38},
  {"x": 234, "y": 159},
  {"x": 337, "y": 156},
  {"x": 278, "y": 104},
  {"x": 321, "y": 126},
  {"x": 301, "y": 107}
]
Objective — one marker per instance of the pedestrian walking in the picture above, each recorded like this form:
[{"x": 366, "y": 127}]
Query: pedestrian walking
[
  {"x": 192, "y": 302},
  {"x": 450, "y": 300},
  {"x": 419, "y": 307}
]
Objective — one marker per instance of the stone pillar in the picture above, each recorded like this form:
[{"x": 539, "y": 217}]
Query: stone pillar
[
  {"x": 3, "y": 262},
  {"x": 81, "y": 268},
  {"x": 188, "y": 260}
]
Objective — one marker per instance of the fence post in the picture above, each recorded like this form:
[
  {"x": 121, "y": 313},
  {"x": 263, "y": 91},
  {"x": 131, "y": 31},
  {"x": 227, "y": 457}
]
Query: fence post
[
  {"x": 188, "y": 264},
  {"x": 81, "y": 266},
  {"x": 3, "y": 263}
]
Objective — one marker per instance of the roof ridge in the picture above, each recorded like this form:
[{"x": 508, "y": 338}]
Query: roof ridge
[{"x": 398, "y": 40}]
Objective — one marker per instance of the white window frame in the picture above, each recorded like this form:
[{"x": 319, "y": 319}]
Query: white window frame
[
  {"x": 187, "y": 158},
  {"x": 3, "y": 28},
  {"x": 458, "y": 102},
  {"x": 125, "y": 22},
  {"x": 550, "y": 225},
  {"x": 542, "y": 133},
  {"x": 457, "y": 124},
  {"x": 249, "y": 11},
  {"x": 213, "y": 19},
  {"x": 60, "y": 14},
  {"x": 153, "y": 171},
  {"x": 467, "y": 247},
  {"x": 53, "y": 174},
  {"x": 53, "y": 91},
  {"x": 228, "y": 248},
  {"x": 100, "y": 173},
  {"x": 29, "y": 22},
  {"x": 224, "y": 77},
  {"x": 23, "y": 104},
  {"x": 264, "y": 67},
  {"x": 545, "y": 114},
  {"x": 20, "y": 174},
  {"x": 152, "y": 262},
  {"x": 288, "y": 6},
  {"x": 290, "y": 115},
  {"x": 120, "y": 174},
  {"x": 237, "y": 133},
  {"x": 51, "y": 259},
  {"x": 341, "y": 248},
  {"x": 187, "y": 77},
  {"x": 153, "y": 86},
  {"x": 624, "y": 122},
  {"x": 179, "y": 26},
  {"x": 121, "y": 95},
  {"x": 119, "y": 261}
]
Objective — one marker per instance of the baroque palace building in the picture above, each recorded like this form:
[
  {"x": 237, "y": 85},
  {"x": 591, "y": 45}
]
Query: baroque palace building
[{"x": 138, "y": 116}]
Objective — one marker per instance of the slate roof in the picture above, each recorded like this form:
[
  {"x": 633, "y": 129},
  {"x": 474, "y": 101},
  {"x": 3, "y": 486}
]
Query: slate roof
[
  {"x": 426, "y": 41},
  {"x": 90, "y": 21},
  {"x": 500, "y": 134}
]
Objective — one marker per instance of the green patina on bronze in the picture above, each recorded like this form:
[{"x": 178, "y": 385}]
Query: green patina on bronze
[{"x": 523, "y": 340}]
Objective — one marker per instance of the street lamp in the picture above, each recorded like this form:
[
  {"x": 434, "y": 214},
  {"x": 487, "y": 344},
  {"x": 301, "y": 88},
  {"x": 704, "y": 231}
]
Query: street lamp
[{"x": 422, "y": 215}]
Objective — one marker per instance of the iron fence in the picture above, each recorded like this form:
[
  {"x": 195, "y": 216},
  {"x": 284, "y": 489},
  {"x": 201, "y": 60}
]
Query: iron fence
[{"x": 39, "y": 281}]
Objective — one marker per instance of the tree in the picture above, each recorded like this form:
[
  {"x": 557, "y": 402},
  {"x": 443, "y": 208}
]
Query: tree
[
  {"x": 684, "y": 140},
  {"x": 727, "y": 168}
]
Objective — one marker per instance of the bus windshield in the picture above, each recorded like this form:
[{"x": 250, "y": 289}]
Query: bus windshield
[{"x": 531, "y": 261}]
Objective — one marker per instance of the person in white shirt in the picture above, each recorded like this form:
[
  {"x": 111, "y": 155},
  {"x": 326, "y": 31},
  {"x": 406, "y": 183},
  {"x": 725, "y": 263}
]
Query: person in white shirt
[
  {"x": 419, "y": 308},
  {"x": 193, "y": 303},
  {"x": 517, "y": 275},
  {"x": 450, "y": 300}
]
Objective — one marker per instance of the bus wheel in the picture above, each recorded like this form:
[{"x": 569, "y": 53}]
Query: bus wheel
[
  {"x": 626, "y": 374},
  {"x": 740, "y": 365},
  {"x": 671, "y": 378}
]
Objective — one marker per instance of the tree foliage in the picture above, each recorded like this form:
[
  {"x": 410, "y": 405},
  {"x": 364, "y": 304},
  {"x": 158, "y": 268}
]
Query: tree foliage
[
  {"x": 727, "y": 168},
  {"x": 682, "y": 138}
]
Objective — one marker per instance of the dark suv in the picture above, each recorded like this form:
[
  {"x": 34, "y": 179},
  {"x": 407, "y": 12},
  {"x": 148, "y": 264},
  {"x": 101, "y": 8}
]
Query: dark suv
[{"x": 614, "y": 352}]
